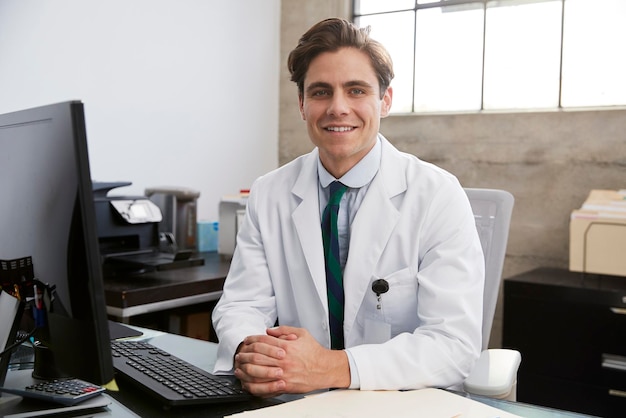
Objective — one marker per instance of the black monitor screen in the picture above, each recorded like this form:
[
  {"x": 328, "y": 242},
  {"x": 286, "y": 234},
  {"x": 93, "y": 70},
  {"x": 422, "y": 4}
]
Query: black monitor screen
[{"x": 47, "y": 214}]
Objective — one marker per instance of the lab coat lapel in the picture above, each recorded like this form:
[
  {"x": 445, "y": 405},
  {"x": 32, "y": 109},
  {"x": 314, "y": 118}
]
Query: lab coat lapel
[
  {"x": 370, "y": 231},
  {"x": 306, "y": 219}
]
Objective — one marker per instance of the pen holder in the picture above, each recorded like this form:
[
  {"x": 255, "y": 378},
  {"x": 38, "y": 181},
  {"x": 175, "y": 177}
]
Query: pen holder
[{"x": 45, "y": 364}]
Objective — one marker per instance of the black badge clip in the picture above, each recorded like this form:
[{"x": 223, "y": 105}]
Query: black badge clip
[{"x": 379, "y": 287}]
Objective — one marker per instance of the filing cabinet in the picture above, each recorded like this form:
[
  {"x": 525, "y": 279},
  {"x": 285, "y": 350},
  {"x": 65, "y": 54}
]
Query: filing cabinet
[{"x": 570, "y": 328}]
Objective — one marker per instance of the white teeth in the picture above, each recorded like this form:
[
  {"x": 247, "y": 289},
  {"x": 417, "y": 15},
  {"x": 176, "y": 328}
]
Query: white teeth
[{"x": 339, "y": 128}]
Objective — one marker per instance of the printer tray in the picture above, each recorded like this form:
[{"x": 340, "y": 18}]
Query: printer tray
[{"x": 150, "y": 261}]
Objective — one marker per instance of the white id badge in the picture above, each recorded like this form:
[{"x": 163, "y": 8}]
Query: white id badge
[{"x": 376, "y": 332}]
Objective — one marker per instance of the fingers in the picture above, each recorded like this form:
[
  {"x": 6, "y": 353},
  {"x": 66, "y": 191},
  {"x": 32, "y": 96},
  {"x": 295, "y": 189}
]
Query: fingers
[
  {"x": 284, "y": 332},
  {"x": 261, "y": 359},
  {"x": 259, "y": 375},
  {"x": 257, "y": 365},
  {"x": 255, "y": 373},
  {"x": 263, "y": 345},
  {"x": 260, "y": 387},
  {"x": 265, "y": 367}
]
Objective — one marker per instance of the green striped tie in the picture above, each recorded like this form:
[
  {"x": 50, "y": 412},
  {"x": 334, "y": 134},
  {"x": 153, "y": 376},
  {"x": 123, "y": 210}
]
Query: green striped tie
[{"x": 334, "y": 279}]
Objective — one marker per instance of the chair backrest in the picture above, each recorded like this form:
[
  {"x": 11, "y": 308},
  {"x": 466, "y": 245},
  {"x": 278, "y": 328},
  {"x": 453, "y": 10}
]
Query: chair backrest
[{"x": 492, "y": 211}]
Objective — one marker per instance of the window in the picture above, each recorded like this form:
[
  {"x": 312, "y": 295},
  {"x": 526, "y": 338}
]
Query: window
[{"x": 468, "y": 55}]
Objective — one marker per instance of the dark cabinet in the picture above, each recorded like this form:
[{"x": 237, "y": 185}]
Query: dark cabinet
[{"x": 571, "y": 331}]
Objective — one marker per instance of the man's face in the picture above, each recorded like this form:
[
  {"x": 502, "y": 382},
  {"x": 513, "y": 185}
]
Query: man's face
[{"x": 342, "y": 107}]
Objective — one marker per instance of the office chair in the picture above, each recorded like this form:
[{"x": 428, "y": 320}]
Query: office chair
[{"x": 495, "y": 372}]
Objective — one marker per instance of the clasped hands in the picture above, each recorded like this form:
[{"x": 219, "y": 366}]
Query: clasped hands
[{"x": 289, "y": 360}]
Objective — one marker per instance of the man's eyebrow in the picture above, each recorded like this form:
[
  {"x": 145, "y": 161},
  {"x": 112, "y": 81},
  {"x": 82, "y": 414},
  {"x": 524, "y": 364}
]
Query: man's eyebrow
[
  {"x": 357, "y": 83},
  {"x": 351, "y": 83}
]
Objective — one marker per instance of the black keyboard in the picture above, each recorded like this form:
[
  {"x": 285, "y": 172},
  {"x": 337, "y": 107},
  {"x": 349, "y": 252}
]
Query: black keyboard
[{"x": 171, "y": 379}]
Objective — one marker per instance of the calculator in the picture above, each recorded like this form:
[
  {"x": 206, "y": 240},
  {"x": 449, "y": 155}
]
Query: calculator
[{"x": 65, "y": 392}]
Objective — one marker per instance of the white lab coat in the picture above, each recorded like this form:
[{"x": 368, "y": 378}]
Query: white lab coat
[{"x": 414, "y": 228}]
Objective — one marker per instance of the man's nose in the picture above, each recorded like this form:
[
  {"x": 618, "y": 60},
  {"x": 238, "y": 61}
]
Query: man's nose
[{"x": 339, "y": 105}]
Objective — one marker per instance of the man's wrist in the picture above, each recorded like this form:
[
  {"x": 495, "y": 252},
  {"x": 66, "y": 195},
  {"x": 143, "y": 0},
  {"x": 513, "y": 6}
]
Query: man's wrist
[
  {"x": 355, "y": 381},
  {"x": 339, "y": 369}
]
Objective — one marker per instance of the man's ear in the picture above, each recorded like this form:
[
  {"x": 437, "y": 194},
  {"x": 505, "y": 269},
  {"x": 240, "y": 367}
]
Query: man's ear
[
  {"x": 385, "y": 105},
  {"x": 301, "y": 106}
]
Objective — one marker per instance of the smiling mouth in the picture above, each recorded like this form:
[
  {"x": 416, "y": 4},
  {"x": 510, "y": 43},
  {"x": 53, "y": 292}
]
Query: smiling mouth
[{"x": 339, "y": 128}]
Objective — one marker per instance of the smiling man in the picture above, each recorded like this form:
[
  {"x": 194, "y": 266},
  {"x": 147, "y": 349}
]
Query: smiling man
[
  {"x": 342, "y": 105},
  {"x": 357, "y": 265}
]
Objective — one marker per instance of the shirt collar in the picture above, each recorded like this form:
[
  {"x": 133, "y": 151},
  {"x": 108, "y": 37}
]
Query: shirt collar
[{"x": 359, "y": 175}]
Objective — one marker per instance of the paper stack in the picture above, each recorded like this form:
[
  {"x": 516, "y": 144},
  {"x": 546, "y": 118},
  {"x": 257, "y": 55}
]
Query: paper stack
[
  {"x": 598, "y": 234},
  {"x": 431, "y": 403}
]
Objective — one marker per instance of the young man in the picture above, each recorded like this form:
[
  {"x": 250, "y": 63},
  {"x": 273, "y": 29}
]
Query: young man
[{"x": 411, "y": 264}]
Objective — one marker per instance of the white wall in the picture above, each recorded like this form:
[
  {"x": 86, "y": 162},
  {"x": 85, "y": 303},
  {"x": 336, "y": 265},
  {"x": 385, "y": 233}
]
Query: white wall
[{"x": 176, "y": 92}]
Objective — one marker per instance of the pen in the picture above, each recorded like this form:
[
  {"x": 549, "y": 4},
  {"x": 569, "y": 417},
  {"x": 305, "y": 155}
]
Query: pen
[
  {"x": 38, "y": 304},
  {"x": 38, "y": 309}
]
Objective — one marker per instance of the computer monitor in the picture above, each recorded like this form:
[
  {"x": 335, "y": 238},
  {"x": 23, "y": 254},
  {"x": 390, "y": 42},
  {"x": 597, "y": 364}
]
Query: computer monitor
[{"x": 47, "y": 213}]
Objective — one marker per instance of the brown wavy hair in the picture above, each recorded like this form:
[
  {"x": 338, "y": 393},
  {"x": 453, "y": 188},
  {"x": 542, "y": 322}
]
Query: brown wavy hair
[{"x": 331, "y": 34}]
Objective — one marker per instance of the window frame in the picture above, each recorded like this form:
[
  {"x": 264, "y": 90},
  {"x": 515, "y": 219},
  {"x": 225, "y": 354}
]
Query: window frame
[{"x": 483, "y": 5}]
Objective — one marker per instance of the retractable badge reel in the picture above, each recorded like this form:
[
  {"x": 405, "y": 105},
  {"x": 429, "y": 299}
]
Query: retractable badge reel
[{"x": 379, "y": 287}]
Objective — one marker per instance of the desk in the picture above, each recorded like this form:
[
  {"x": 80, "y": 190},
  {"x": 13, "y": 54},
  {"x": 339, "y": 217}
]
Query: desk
[
  {"x": 130, "y": 402},
  {"x": 128, "y": 296}
]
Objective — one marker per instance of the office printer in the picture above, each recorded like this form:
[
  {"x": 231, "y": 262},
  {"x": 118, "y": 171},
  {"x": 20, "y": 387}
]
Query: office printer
[{"x": 129, "y": 237}]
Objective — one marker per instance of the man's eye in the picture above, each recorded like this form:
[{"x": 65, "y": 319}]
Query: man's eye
[
  {"x": 319, "y": 93},
  {"x": 357, "y": 91}
]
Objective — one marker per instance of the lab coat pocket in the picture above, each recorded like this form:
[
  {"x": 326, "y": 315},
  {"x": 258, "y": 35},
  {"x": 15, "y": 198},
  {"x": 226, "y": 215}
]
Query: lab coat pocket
[
  {"x": 398, "y": 305},
  {"x": 376, "y": 332}
]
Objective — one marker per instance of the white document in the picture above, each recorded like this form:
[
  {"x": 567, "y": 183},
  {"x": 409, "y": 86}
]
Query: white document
[
  {"x": 8, "y": 310},
  {"x": 431, "y": 403}
]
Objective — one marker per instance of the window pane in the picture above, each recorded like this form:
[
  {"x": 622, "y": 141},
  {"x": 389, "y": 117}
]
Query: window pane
[
  {"x": 448, "y": 59},
  {"x": 377, "y": 6},
  {"x": 593, "y": 53},
  {"x": 395, "y": 31},
  {"x": 522, "y": 56}
]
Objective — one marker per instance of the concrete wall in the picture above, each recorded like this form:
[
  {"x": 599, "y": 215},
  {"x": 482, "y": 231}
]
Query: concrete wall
[{"x": 548, "y": 160}]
